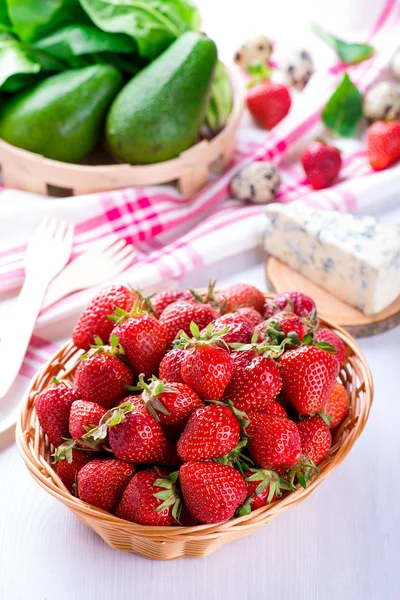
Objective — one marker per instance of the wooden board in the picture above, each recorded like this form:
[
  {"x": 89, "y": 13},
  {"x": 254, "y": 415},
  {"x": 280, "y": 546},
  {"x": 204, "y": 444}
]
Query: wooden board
[{"x": 281, "y": 278}]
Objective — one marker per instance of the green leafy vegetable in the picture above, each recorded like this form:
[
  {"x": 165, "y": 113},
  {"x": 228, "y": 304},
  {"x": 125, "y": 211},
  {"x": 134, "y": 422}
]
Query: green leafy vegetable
[
  {"x": 350, "y": 54},
  {"x": 80, "y": 40},
  {"x": 34, "y": 19},
  {"x": 343, "y": 111},
  {"x": 153, "y": 24},
  {"x": 5, "y": 23},
  {"x": 221, "y": 100},
  {"x": 20, "y": 65}
]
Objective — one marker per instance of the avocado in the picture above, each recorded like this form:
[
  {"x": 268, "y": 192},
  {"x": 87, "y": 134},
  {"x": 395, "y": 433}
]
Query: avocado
[
  {"x": 158, "y": 114},
  {"x": 61, "y": 117}
]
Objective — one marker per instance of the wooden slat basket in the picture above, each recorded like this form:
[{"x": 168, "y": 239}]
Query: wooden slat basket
[
  {"x": 165, "y": 543},
  {"x": 31, "y": 172}
]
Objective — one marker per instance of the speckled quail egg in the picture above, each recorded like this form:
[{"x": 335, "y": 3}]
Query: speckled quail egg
[
  {"x": 254, "y": 52},
  {"x": 395, "y": 65},
  {"x": 297, "y": 67},
  {"x": 257, "y": 183},
  {"x": 382, "y": 102}
]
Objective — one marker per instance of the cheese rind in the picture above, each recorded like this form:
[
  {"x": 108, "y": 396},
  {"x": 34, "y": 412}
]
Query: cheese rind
[{"x": 356, "y": 258}]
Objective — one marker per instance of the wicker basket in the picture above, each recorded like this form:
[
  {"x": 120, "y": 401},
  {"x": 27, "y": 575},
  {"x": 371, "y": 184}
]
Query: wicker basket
[
  {"x": 165, "y": 543},
  {"x": 31, "y": 172}
]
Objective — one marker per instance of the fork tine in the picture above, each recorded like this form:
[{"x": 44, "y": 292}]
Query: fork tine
[
  {"x": 118, "y": 245},
  {"x": 122, "y": 264},
  {"x": 60, "y": 231},
  {"x": 51, "y": 228},
  {"x": 127, "y": 251}
]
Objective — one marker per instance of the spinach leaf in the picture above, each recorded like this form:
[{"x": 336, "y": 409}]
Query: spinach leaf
[
  {"x": 34, "y": 19},
  {"x": 79, "y": 40},
  {"x": 21, "y": 66},
  {"x": 343, "y": 110},
  {"x": 153, "y": 24},
  {"x": 5, "y": 23},
  {"x": 349, "y": 54}
]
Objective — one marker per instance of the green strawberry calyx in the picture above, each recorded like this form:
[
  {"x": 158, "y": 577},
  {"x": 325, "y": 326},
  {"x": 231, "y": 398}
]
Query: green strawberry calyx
[
  {"x": 113, "y": 417},
  {"x": 198, "y": 339},
  {"x": 113, "y": 349},
  {"x": 64, "y": 451},
  {"x": 265, "y": 477},
  {"x": 151, "y": 392},
  {"x": 170, "y": 495},
  {"x": 210, "y": 297},
  {"x": 302, "y": 472},
  {"x": 141, "y": 307},
  {"x": 265, "y": 348}
]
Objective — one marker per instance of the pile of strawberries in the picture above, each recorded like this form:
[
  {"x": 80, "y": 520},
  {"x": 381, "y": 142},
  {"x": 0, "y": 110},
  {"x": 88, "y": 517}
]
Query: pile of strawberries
[{"x": 199, "y": 407}]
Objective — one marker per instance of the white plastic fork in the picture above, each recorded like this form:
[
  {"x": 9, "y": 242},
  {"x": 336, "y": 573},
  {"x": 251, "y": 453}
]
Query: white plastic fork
[
  {"x": 105, "y": 259},
  {"x": 48, "y": 251}
]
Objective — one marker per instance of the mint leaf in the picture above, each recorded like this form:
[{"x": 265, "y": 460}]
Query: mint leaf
[
  {"x": 344, "y": 109},
  {"x": 350, "y": 54}
]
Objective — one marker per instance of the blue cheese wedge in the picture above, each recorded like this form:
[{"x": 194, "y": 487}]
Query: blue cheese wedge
[{"x": 356, "y": 258}]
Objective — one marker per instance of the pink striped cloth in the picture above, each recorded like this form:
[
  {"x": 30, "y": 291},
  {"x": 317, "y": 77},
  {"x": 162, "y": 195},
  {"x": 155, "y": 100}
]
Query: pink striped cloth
[{"x": 175, "y": 235}]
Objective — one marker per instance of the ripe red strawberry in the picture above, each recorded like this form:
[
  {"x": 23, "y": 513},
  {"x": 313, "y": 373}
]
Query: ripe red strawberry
[
  {"x": 68, "y": 470},
  {"x": 243, "y": 295},
  {"x": 240, "y": 328},
  {"x": 170, "y": 403},
  {"x": 326, "y": 335},
  {"x": 102, "y": 482},
  {"x": 308, "y": 375},
  {"x": 338, "y": 405},
  {"x": 102, "y": 377},
  {"x": 212, "y": 492},
  {"x": 274, "y": 442},
  {"x": 316, "y": 438},
  {"x": 53, "y": 406},
  {"x": 84, "y": 416},
  {"x": 207, "y": 369},
  {"x": 321, "y": 164},
  {"x": 164, "y": 299},
  {"x": 210, "y": 432},
  {"x": 251, "y": 315},
  {"x": 273, "y": 408},
  {"x": 383, "y": 144},
  {"x": 295, "y": 302},
  {"x": 263, "y": 487},
  {"x": 139, "y": 438},
  {"x": 144, "y": 340},
  {"x": 255, "y": 381},
  {"x": 178, "y": 316},
  {"x": 268, "y": 103},
  {"x": 287, "y": 322},
  {"x": 170, "y": 366},
  {"x": 150, "y": 498},
  {"x": 93, "y": 320}
]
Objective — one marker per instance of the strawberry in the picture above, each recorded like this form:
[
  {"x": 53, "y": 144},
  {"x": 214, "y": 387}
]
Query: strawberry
[
  {"x": 102, "y": 482},
  {"x": 101, "y": 376},
  {"x": 178, "y": 316},
  {"x": 255, "y": 381},
  {"x": 287, "y": 323},
  {"x": 383, "y": 144},
  {"x": 240, "y": 328},
  {"x": 143, "y": 338},
  {"x": 308, "y": 375},
  {"x": 274, "y": 442},
  {"x": 268, "y": 103},
  {"x": 170, "y": 403},
  {"x": 212, "y": 492},
  {"x": 207, "y": 369},
  {"x": 251, "y": 315},
  {"x": 243, "y": 295},
  {"x": 326, "y": 335},
  {"x": 263, "y": 487},
  {"x": 337, "y": 406},
  {"x": 84, "y": 416},
  {"x": 170, "y": 366},
  {"x": 295, "y": 302},
  {"x": 316, "y": 438},
  {"x": 67, "y": 469},
  {"x": 321, "y": 164},
  {"x": 93, "y": 320},
  {"x": 164, "y": 299},
  {"x": 53, "y": 406},
  {"x": 273, "y": 408},
  {"x": 150, "y": 498},
  {"x": 135, "y": 436},
  {"x": 210, "y": 432}
]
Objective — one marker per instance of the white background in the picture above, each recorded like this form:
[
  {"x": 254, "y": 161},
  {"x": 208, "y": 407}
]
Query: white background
[{"x": 341, "y": 543}]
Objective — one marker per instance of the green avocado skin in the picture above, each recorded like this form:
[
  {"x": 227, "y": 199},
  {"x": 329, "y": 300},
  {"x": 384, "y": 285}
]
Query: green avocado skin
[
  {"x": 61, "y": 117},
  {"x": 158, "y": 114}
]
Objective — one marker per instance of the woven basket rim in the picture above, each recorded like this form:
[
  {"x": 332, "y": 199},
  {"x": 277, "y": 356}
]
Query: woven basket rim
[{"x": 47, "y": 478}]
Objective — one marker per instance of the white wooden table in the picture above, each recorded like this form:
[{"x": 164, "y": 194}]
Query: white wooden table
[{"x": 341, "y": 543}]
